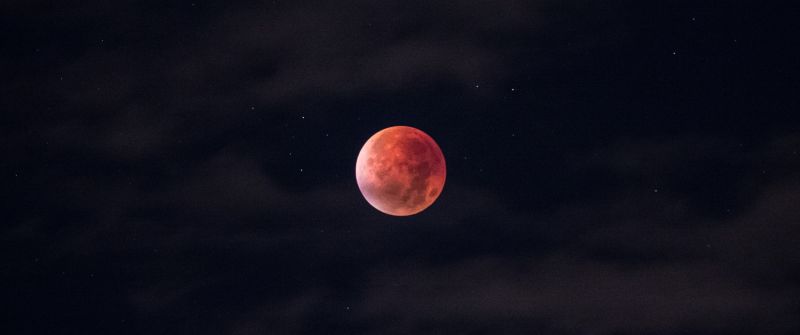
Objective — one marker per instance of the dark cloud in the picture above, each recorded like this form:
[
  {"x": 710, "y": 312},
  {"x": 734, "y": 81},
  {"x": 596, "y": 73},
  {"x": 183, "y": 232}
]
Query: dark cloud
[{"x": 564, "y": 295}]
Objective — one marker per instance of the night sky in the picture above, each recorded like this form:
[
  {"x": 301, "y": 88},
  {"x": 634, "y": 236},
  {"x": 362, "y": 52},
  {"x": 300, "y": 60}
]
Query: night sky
[{"x": 613, "y": 167}]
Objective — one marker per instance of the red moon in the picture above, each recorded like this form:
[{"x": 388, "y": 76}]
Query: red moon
[{"x": 400, "y": 171}]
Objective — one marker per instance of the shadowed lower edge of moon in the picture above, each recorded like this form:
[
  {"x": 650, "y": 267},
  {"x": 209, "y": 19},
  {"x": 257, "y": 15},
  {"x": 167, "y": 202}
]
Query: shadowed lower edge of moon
[{"x": 399, "y": 201}]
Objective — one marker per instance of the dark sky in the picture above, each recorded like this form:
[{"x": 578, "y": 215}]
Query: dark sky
[{"x": 188, "y": 167}]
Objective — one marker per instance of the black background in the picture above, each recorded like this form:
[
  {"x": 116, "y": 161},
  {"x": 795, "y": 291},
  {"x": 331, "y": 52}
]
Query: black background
[{"x": 187, "y": 167}]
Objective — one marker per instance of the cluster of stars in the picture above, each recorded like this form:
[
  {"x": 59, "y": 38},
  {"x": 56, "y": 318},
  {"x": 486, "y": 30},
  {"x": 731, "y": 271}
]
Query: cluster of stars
[
  {"x": 477, "y": 85},
  {"x": 694, "y": 19},
  {"x": 299, "y": 170}
]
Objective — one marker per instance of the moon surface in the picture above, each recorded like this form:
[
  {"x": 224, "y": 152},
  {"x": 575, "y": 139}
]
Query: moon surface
[{"x": 400, "y": 171}]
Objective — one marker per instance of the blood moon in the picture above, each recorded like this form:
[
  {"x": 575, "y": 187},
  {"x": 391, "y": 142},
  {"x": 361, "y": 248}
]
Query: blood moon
[{"x": 400, "y": 171}]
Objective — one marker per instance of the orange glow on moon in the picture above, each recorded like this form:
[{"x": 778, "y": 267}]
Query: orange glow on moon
[{"x": 400, "y": 171}]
